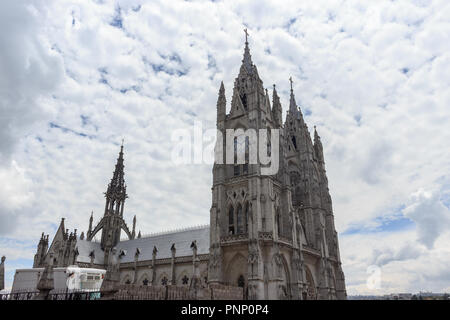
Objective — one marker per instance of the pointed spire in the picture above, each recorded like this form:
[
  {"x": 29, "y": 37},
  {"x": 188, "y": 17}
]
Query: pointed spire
[
  {"x": 221, "y": 103},
  {"x": 133, "y": 233},
  {"x": 276, "y": 108},
  {"x": 61, "y": 225},
  {"x": 293, "y": 109},
  {"x": 292, "y": 103},
  {"x": 117, "y": 185},
  {"x": 91, "y": 219},
  {"x": 247, "y": 60},
  {"x": 318, "y": 148},
  {"x": 139, "y": 234}
]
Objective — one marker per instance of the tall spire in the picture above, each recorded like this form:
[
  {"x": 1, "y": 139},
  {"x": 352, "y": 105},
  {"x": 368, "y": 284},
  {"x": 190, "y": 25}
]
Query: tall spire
[
  {"x": 247, "y": 60},
  {"x": 276, "y": 108},
  {"x": 116, "y": 192},
  {"x": 293, "y": 109},
  {"x": 318, "y": 148},
  {"x": 221, "y": 103}
]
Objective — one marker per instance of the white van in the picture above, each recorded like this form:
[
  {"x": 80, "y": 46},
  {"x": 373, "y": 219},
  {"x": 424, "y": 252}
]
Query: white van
[{"x": 72, "y": 278}]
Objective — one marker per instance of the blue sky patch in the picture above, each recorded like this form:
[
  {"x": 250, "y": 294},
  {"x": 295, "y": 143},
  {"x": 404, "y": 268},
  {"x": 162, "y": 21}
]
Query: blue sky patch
[{"x": 384, "y": 224}]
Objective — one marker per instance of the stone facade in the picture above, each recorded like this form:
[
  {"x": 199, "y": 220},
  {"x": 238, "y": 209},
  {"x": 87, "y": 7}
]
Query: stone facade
[{"x": 272, "y": 235}]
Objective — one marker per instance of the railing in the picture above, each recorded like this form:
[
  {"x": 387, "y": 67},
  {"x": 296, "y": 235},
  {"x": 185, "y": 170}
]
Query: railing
[
  {"x": 18, "y": 295},
  {"x": 61, "y": 294},
  {"x": 234, "y": 238},
  {"x": 131, "y": 292},
  {"x": 265, "y": 235}
]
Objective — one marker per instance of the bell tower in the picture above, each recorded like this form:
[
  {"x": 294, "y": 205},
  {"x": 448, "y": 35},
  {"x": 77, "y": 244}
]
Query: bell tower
[{"x": 250, "y": 210}]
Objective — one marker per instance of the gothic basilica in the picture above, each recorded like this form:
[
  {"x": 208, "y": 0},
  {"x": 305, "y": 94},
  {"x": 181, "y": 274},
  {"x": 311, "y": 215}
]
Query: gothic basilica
[{"x": 273, "y": 235}]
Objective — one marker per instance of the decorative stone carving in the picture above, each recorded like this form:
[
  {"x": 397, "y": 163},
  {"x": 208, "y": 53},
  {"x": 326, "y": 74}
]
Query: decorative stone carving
[{"x": 46, "y": 282}]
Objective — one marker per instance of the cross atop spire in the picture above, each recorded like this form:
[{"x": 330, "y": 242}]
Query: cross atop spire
[
  {"x": 292, "y": 104},
  {"x": 246, "y": 35},
  {"x": 247, "y": 61}
]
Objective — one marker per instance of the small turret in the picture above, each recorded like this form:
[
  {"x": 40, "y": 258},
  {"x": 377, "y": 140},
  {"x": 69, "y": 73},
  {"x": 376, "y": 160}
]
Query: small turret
[
  {"x": 133, "y": 233},
  {"x": 318, "y": 148},
  {"x": 91, "y": 219},
  {"x": 2, "y": 273},
  {"x": 221, "y": 104},
  {"x": 276, "y": 109}
]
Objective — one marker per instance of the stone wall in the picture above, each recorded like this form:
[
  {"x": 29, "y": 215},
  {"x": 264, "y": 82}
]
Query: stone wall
[{"x": 213, "y": 292}]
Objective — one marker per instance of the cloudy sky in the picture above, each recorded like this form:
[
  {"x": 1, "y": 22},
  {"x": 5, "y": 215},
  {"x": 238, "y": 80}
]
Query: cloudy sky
[{"x": 78, "y": 76}]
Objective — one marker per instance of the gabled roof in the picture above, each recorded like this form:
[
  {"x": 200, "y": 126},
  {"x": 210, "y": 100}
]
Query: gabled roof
[{"x": 163, "y": 242}]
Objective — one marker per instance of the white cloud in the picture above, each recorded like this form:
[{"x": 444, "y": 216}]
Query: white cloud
[{"x": 431, "y": 216}]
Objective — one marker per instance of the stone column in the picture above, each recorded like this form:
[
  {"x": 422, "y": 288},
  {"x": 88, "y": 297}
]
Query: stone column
[
  {"x": 46, "y": 283},
  {"x": 155, "y": 251},
  {"x": 2, "y": 273},
  {"x": 172, "y": 265},
  {"x": 92, "y": 256},
  {"x": 195, "y": 280},
  {"x": 110, "y": 284},
  {"x": 136, "y": 258}
]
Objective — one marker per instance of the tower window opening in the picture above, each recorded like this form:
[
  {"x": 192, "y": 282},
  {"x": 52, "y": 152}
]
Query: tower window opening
[
  {"x": 244, "y": 101},
  {"x": 246, "y": 217},
  {"x": 240, "y": 220},
  {"x": 231, "y": 221},
  {"x": 247, "y": 155},
  {"x": 241, "y": 281}
]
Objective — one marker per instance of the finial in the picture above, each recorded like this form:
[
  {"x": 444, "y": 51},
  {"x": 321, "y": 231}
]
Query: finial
[
  {"x": 246, "y": 35},
  {"x": 290, "y": 80},
  {"x": 274, "y": 86}
]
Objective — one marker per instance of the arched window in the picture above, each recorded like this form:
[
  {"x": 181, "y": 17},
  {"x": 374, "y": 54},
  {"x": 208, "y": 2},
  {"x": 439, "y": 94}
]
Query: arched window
[
  {"x": 246, "y": 216},
  {"x": 236, "y": 166},
  {"x": 231, "y": 220},
  {"x": 247, "y": 155},
  {"x": 241, "y": 281},
  {"x": 278, "y": 221},
  {"x": 294, "y": 142},
  {"x": 240, "y": 220},
  {"x": 244, "y": 101}
]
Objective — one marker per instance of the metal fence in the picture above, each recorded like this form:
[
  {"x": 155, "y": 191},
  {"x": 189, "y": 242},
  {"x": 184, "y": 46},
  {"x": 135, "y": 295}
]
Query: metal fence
[
  {"x": 132, "y": 292},
  {"x": 53, "y": 295}
]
